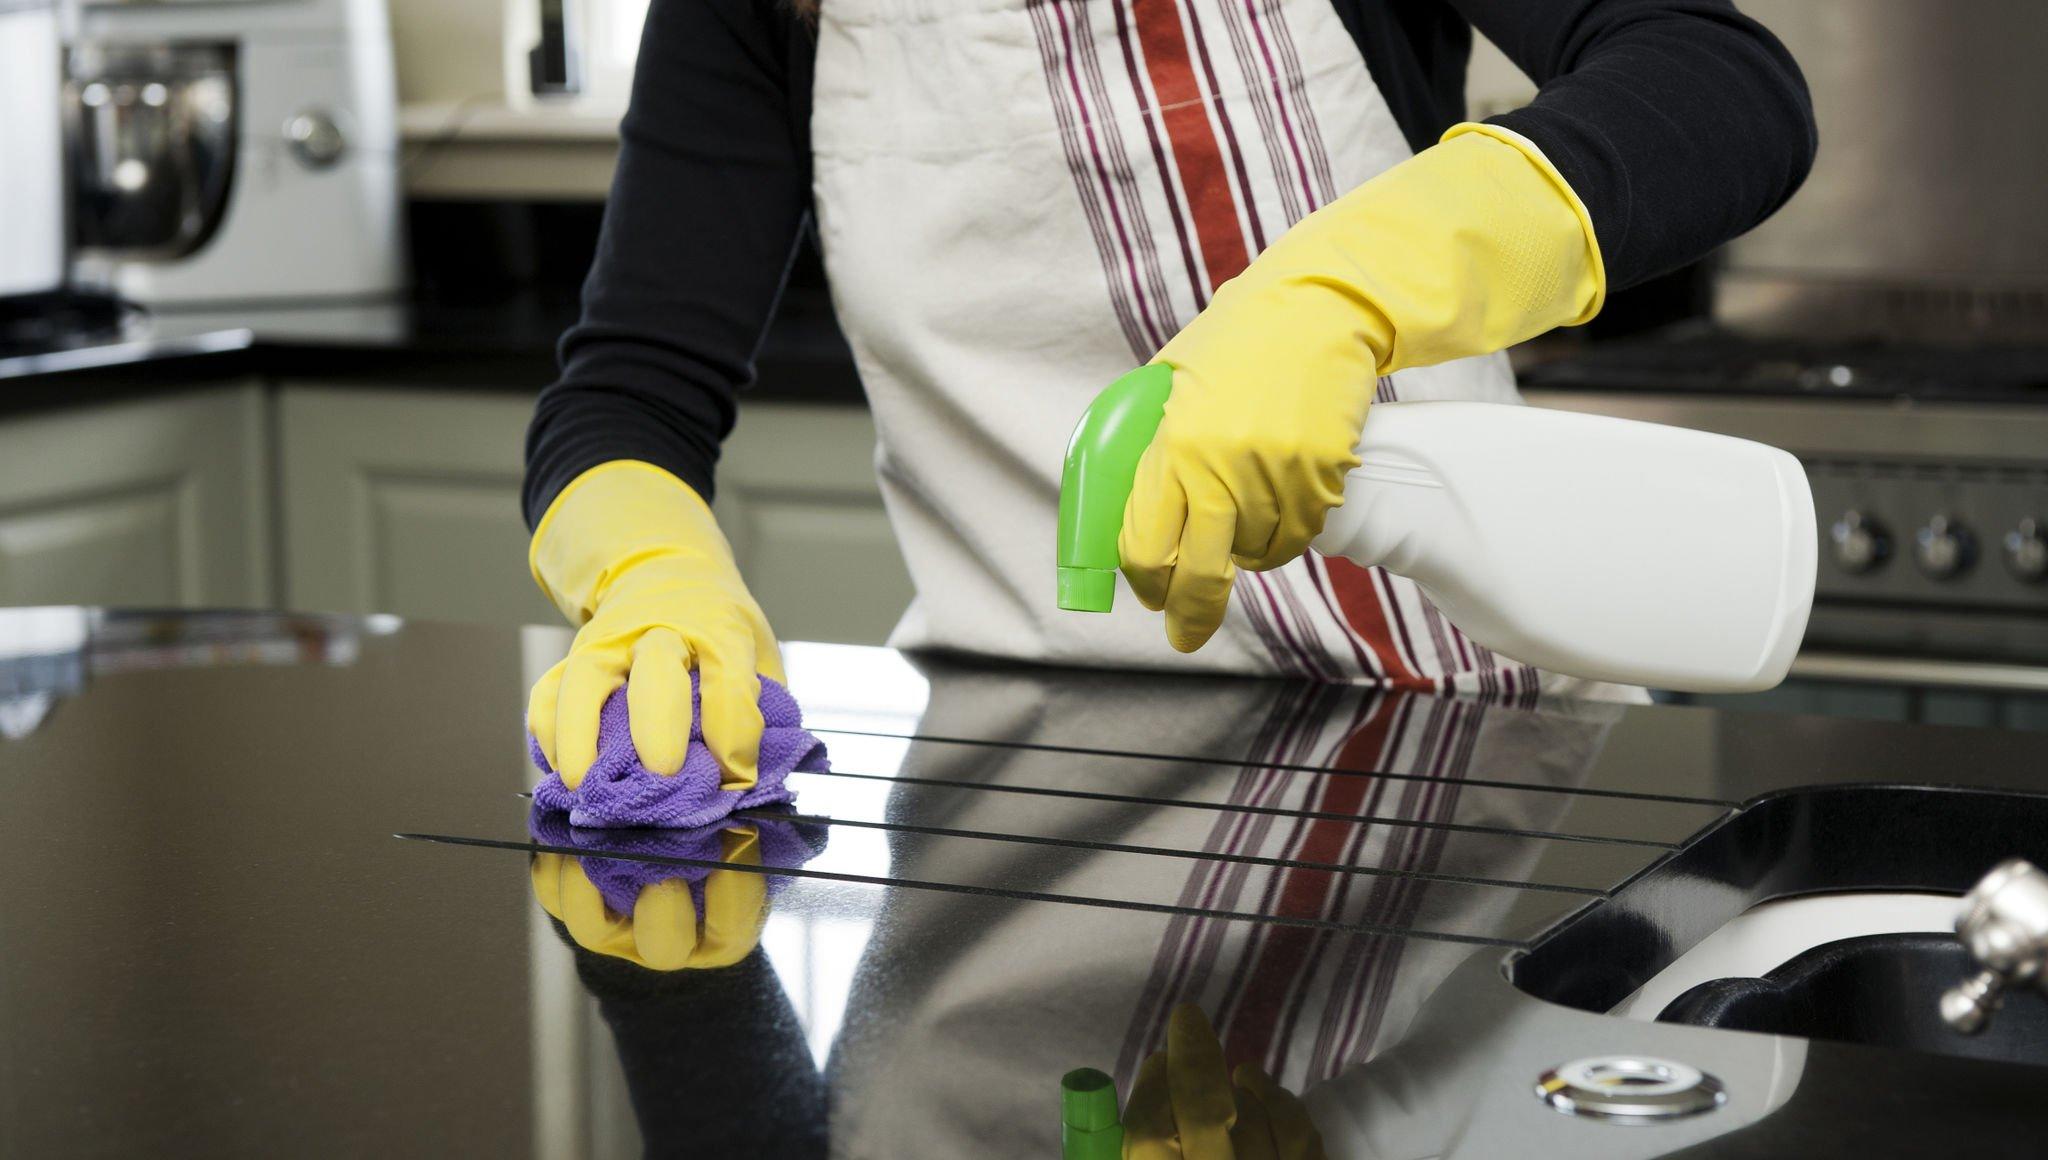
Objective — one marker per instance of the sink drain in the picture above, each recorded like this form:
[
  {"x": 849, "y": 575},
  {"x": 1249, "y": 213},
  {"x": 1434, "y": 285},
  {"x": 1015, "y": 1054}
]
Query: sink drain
[{"x": 1629, "y": 1089}]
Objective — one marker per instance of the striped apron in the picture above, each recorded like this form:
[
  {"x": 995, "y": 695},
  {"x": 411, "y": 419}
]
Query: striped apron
[{"x": 1021, "y": 199}]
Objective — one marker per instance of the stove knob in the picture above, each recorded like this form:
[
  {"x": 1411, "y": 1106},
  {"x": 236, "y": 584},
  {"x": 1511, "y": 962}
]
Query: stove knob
[
  {"x": 1861, "y": 543},
  {"x": 1945, "y": 548},
  {"x": 315, "y": 139},
  {"x": 2026, "y": 552}
]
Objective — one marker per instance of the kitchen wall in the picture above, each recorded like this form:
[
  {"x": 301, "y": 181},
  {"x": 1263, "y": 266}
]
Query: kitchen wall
[
  {"x": 449, "y": 50},
  {"x": 451, "y": 73},
  {"x": 453, "y": 50}
]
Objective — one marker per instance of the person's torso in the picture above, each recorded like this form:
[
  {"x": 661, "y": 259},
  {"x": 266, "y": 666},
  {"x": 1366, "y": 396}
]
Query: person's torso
[{"x": 1021, "y": 199}]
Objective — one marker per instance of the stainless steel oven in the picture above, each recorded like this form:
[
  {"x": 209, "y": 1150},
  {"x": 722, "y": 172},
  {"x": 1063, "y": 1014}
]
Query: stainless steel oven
[
  {"x": 1890, "y": 326},
  {"x": 1931, "y": 601}
]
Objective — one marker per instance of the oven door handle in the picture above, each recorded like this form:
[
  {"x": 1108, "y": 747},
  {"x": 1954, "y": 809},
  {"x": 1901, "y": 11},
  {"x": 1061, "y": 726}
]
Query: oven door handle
[{"x": 1944, "y": 674}]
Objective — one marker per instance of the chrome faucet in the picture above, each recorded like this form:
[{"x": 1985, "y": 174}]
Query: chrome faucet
[{"x": 2004, "y": 922}]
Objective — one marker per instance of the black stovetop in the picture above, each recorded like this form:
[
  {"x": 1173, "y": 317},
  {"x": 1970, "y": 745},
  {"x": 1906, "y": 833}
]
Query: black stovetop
[
  {"x": 1724, "y": 363},
  {"x": 64, "y": 320}
]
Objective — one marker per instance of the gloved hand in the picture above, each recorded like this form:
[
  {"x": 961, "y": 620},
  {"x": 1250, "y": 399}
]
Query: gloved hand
[
  {"x": 664, "y": 932},
  {"x": 1184, "y": 1105},
  {"x": 634, "y": 557},
  {"x": 1464, "y": 249}
]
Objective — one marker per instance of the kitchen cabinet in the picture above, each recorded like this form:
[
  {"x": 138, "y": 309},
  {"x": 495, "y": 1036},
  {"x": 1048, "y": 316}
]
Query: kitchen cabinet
[
  {"x": 407, "y": 501},
  {"x": 157, "y": 502},
  {"x": 798, "y": 499}
]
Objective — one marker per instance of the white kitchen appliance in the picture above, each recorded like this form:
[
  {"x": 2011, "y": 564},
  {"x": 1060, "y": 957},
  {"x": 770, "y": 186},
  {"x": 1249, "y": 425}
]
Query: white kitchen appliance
[
  {"x": 33, "y": 230},
  {"x": 236, "y": 151}
]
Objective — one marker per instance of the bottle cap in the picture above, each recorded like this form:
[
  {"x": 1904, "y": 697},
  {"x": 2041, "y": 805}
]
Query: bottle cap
[
  {"x": 1088, "y": 1123},
  {"x": 1087, "y": 589}
]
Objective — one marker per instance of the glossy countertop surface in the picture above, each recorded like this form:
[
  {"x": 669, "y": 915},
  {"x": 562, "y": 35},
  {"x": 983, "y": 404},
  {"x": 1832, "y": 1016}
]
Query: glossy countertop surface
[{"x": 272, "y": 889}]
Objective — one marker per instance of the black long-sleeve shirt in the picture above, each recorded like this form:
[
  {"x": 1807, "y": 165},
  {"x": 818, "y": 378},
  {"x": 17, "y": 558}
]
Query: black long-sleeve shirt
[{"x": 1679, "y": 123}]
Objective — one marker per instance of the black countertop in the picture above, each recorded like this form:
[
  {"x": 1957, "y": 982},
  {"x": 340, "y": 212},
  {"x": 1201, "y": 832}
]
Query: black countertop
[
  {"x": 218, "y": 945},
  {"x": 508, "y": 344},
  {"x": 498, "y": 346},
  {"x": 495, "y": 283}
]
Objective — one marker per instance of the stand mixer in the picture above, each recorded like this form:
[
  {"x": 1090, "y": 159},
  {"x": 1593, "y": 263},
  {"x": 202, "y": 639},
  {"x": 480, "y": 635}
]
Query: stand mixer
[{"x": 236, "y": 152}]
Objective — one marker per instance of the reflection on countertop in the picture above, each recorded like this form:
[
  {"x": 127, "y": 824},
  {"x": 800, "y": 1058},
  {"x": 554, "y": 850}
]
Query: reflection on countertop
[{"x": 1027, "y": 871}]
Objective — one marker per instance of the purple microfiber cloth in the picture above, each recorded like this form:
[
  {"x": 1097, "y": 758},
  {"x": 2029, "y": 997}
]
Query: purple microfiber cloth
[
  {"x": 619, "y": 791},
  {"x": 785, "y": 845}
]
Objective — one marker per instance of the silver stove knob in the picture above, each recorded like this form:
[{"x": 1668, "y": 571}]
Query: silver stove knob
[
  {"x": 1945, "y": 548},
  {"x": 1861, "y": 543},
  {"x": 2026, "y": 552}
]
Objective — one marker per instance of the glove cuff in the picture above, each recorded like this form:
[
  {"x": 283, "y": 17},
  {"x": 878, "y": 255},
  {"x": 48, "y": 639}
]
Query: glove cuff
[
  {"x": 1592, "y": 285},
  {"x": 610, "y": 518},
  {"x": 1471, "y": 246}
]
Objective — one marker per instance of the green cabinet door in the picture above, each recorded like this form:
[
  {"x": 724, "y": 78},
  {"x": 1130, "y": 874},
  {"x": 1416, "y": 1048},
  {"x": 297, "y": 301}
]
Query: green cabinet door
[
  {"x": 407, "y": 501},
  {"x": 152, "y": 502}
]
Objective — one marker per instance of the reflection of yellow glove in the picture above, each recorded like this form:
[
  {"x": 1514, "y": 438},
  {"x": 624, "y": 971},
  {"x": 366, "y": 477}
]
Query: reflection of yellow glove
[
  {"x": 1183, "y": 1105},
  {"x": 631, "y": 554},
  {"x": 664, "y": 932},
  {"x": 1464, "y": 249}
]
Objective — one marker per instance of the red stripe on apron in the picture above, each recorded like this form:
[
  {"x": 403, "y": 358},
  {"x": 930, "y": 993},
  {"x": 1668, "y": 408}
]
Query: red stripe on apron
[
  {"x": 1354, "y": 590},
  {"x": 1279, "y": 742},
  {"x": 1306, "y": 892},
  {"x": 1183, "y": 109}
]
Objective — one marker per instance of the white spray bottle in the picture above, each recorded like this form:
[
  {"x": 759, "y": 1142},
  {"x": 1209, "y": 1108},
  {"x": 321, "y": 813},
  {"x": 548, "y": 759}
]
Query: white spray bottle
[{"x": 1598, "y": 547}]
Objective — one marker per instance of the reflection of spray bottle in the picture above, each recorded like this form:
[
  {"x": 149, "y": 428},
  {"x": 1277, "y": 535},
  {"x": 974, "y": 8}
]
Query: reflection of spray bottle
[
  {"x": 1597, "y": 547},
  {"x": 1089, "y": 1129}
]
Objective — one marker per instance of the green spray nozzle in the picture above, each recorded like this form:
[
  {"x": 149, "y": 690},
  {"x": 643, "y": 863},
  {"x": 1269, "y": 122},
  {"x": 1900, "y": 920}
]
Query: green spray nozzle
[
  {"x": 1089, "y": 1129},
  {"x": 1102, "y": 462}
]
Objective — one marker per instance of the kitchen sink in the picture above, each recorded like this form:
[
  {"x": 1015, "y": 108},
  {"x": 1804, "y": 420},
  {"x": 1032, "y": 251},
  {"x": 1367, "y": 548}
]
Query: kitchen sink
[
  {"x": 1877, "y": 990},
  {"x": 1823, "y": 913},
  {"x": 1771, "y": 934}
]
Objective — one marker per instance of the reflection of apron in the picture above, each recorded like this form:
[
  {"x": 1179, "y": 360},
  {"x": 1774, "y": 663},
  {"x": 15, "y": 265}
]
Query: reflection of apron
[
  {"x": 963, "y": 1017},
  {"x": 1021, "y": 199}
]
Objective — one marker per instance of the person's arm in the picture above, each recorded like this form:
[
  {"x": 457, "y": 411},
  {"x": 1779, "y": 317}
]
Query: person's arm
[
  {"x": 1663, "y": 128},
  {"x": 710, "y": 197},
  {"x": 1680, "y": 124},
  {"x": 715, "y": 1061}
]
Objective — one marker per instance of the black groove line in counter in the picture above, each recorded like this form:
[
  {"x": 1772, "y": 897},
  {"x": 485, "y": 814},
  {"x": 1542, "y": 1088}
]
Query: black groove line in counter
[
  {"x": 1227, "y": 807},
  {"x": 767, "y": 813},
  {"x": 776, "y": 814},
  {"x": 1272, "y": 811},
  {"x": 983, "y": 891},
  {"x": 1282, "y": 766}
]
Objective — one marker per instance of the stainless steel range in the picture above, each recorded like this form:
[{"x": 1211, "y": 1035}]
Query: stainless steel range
[
  {"x": 1890, "y": 326},
  {"x": 1929, "y": 471}
]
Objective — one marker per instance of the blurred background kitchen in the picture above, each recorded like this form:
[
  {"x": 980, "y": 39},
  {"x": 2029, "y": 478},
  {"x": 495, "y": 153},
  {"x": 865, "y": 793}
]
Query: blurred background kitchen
[{"x": 279, "y": 280}]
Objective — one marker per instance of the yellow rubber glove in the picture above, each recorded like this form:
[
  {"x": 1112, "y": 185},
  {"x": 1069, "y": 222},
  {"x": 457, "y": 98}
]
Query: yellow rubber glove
[
  {"x": 633, "y": 556},
  {"x": 1183, "y": 1105},
  {"x": 1464, "y": 249},
  {"x": 664, "y": 932}
]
